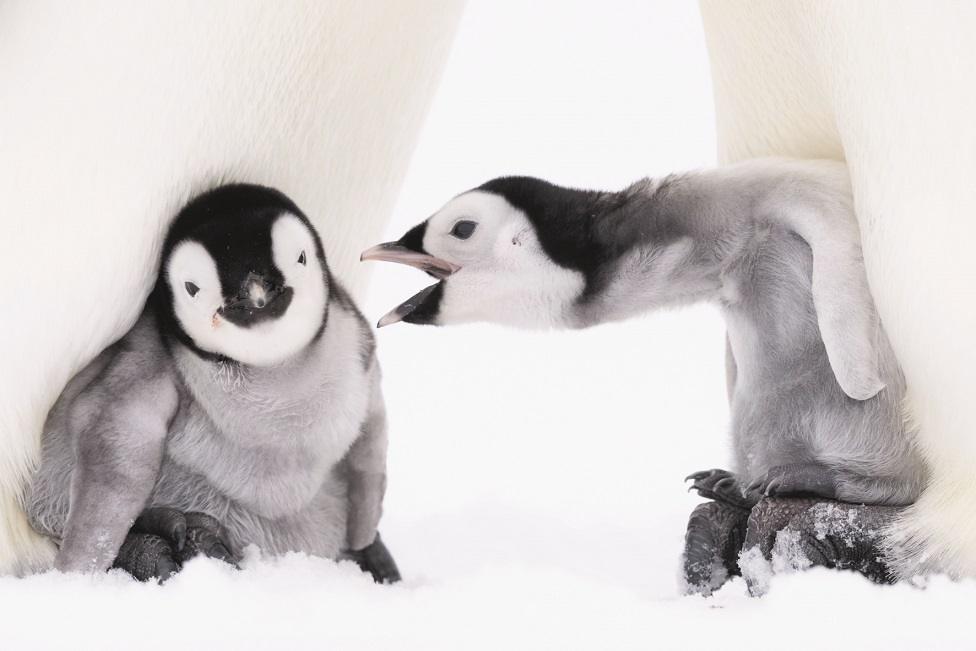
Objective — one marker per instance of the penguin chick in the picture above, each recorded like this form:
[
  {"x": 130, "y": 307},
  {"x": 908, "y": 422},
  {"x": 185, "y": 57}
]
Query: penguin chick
[
  {"x": 815, "y": 389},
  {"x": 243, "y": 407}
]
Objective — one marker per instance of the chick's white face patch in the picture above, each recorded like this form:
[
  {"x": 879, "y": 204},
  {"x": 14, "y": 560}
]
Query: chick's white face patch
[
  {"x": 198, "y": 296},
  {"x": 505, "y": 275}
]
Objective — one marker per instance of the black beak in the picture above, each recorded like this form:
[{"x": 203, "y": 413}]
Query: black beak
[
  {"x": 257, "y": 300},
  {"x": 421, "y": 308}
]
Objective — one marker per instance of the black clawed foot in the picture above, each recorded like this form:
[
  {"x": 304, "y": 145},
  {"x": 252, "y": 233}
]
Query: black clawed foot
[
  {"x": 147, "y": 556},
  {"x": 796, "y": 479},
  {"x": 797, "y": 533},
  {"x": 838, "y": 535},
  {"x": 721, "y": 486},
  {"x": 376, "y": 559},
  {"x": 770, "y": 516},
  {"x": 162, "y": 539},
  {"x": 165, "y": 522},
  {"x": 205, "y": 535},
  {"x": 712, "y": 544}
]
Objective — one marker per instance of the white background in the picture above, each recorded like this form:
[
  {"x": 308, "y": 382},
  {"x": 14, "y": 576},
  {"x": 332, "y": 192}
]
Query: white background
[
  {"x": 555, "y": 449},
  {"x": 535, "y": 496}
]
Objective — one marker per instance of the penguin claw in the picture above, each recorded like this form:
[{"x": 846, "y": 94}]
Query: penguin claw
[
  {"x": 721, "y": 486},
  {"x": 796, "y": 479},
  {"x": 725, "y": 483},
  {"x": 701, "y": 474}
]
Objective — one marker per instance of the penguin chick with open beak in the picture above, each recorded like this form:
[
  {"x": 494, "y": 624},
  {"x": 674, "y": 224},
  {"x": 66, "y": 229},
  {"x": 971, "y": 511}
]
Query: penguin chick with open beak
[
  {"x": 243, "y": 407},
  {"x": 814, "y": 386}
]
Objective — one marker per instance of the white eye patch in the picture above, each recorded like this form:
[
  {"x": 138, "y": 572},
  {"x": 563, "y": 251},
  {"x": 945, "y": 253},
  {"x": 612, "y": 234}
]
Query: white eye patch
[
  {"x": 189, "y": 266},
  {"x": 490, "y": 224},
  {"x": 505, "y": 276},
  {"x": 293, "y": 249}
]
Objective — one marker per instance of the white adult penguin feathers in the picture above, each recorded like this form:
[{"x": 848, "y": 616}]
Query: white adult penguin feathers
[{"x": 243, "y": 277}]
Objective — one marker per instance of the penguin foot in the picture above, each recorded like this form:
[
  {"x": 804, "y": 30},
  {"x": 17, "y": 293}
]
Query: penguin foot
[
  {"x": 162, "y": 539},
  {"x": 838, "y": 535},
  {"x": 205, "y": 535},
  {"x": 376, "y": 559},
  {"x": 146, "y": 556},
  {"x": 791, "y": 534},
  {"x": 770, "y": 516},
  {"x": 712, "y": 543},
  {"x": 797, "y": 479},
  {"x": 721, "y": 486}
]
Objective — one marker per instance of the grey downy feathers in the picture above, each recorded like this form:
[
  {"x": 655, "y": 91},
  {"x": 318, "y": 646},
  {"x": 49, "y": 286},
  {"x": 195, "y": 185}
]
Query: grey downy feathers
[
  {"x": 248, "y": 391},
  {"x": 816, "y": 393}
]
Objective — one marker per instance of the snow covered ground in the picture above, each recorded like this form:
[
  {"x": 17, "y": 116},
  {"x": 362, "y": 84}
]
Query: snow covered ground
[{"x": 535, "y": 496}]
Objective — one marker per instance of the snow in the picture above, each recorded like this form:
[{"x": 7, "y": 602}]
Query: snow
[
  {"x": 535, "y": 497},
  {"x": 297, "y": 602}
]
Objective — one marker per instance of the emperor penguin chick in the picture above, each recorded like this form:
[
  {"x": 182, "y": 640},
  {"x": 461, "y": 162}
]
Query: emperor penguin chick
[
  {"x": 814, "y": 386},
  {"x": 244, "y": 407}
]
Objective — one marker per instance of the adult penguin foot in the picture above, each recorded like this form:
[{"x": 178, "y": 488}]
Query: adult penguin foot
[
  {"x": 713, "y": 540},
  {"x": 840, "y": 536},
  {"x": 798, "y": 533}
]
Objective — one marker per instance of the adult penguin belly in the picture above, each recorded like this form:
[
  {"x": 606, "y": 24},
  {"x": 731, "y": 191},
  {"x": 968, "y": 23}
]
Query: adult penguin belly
[{"x": 140, "y": 107}]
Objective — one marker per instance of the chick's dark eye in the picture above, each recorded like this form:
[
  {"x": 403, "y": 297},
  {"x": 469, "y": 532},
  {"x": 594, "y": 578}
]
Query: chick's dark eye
[
  {"x": 301, "y": 258},
  {"x": 191, "y": 289},
  {"x": 463, "y": 229}
]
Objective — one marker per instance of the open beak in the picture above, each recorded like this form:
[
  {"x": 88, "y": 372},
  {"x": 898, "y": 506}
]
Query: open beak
[
  {"x": 421, "y": 307},
  {"x": 396, "y": 252},
  {"x": 410, "y": 307}
]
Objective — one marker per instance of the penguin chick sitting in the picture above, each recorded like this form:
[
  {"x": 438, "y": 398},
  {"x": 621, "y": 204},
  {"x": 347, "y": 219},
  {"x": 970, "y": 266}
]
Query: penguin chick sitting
[
  {"x": 814, "y": 386},
  {"x": 243, "y": 407}
]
